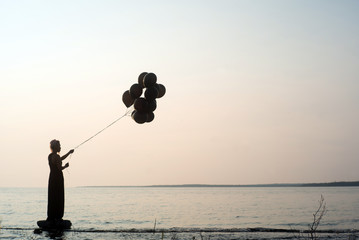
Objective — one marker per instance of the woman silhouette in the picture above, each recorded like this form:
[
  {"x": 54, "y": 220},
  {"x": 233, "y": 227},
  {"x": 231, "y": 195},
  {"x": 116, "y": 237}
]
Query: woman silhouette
[{"x": 56, "y": 193}]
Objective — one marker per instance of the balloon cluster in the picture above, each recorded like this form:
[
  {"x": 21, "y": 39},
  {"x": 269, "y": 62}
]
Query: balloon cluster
[{"x": 144, "y": 106}]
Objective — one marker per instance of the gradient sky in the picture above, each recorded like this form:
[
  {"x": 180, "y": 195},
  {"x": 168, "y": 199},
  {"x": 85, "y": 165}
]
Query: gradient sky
[{"x": 257, "y": 91}]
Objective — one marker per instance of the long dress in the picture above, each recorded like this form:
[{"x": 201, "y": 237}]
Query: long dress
[{"x": 56, "y": 193}]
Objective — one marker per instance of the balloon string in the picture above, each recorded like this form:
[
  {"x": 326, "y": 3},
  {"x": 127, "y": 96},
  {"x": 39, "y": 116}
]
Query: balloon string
[{"x": 118, "y": 119}]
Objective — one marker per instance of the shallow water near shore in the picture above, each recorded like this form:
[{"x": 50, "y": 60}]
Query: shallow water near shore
[{"x": 182, "y": 212}]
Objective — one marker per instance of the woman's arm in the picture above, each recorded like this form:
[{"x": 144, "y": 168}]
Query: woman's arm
[
  {"x": 57, "y": 160},
  {"x": 67, "y": 154}
]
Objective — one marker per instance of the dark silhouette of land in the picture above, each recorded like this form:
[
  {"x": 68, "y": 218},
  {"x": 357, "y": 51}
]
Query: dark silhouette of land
[{"x": 329, "y": 184}]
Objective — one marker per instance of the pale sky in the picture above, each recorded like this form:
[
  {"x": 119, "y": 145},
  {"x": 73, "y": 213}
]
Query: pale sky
[{"x": 257, "y": 91}]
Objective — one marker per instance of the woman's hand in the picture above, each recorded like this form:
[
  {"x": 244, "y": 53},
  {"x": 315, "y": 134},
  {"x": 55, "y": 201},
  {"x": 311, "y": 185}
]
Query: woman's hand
[
  {"x": 66, "y": 165},
  {"x": 71, "y": 151}
]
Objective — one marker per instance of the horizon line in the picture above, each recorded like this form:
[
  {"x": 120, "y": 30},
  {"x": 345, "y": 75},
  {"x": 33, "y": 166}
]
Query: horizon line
[{"x": 328, "y": 184}]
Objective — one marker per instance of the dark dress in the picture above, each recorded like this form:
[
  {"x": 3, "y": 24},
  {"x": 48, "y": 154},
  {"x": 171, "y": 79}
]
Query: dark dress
[{"x": 56, "y": 193}]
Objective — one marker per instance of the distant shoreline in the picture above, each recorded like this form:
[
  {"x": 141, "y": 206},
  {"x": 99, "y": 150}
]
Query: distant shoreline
[{"x": 329, "y": 184}]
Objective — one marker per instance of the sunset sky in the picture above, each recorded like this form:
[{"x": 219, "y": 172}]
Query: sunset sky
[{"x": 257, "y": 91}]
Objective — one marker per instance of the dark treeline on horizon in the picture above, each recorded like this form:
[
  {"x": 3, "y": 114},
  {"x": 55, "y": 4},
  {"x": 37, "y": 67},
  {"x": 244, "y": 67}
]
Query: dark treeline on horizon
[{"x": 330, "y": 184}]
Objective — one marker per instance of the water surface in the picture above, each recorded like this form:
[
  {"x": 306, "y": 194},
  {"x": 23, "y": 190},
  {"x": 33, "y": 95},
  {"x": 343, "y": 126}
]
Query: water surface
[{"x": 119, "y": 208}]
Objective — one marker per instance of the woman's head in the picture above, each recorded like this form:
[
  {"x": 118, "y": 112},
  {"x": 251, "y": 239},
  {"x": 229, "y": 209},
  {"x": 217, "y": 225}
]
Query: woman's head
[{"x": 55, "y": 146}]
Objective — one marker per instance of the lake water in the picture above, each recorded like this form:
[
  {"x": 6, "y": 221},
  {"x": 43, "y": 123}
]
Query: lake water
[{"x": 182, "y": 213}]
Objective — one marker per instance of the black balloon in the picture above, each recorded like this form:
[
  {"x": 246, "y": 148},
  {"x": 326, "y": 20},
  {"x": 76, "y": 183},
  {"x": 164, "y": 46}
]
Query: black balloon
[
  {"x": 150, "y": 80},
  {"x": 146, "y": 105},
  {"x": 150, "y": 117},
  {"x": 157, "y": 87},
  {"x": 152, "y": 105},
  {"x": 151, "y": 93},
  {"x": 140, "y": 79},
  {"x": 161, "y": 91},
  {"x": 127, "y": 99},
  {"x": 136, "y": 91},
  {"x": 139, "y": 117},
  {"x": 141, "y": 104}
]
